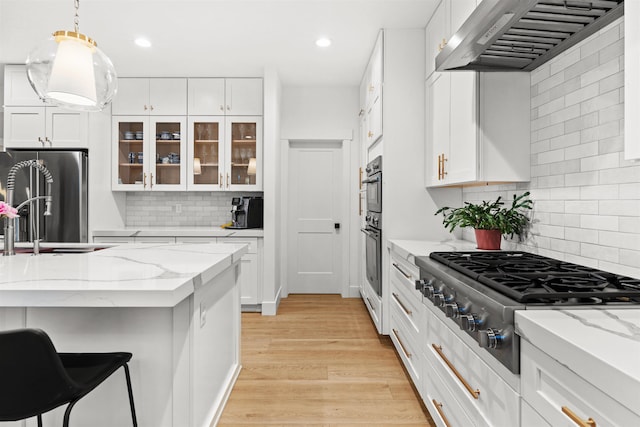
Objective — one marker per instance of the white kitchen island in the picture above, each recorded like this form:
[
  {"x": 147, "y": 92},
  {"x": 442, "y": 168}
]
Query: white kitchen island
[{"x": 176, "y": 307}]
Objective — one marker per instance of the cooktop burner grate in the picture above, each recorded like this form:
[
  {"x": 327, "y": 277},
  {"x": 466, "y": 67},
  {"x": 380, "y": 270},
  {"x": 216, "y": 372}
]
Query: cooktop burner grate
[{"x": 531, "y": 278}]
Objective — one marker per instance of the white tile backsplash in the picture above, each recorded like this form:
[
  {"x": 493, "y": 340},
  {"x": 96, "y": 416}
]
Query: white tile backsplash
[
  {"x": 197, "y": 209},
  {"x": 586, "y": 196}
]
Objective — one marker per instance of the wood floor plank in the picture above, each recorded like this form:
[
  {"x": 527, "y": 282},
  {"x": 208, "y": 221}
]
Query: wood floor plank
[{"x": 320, "y": 363}]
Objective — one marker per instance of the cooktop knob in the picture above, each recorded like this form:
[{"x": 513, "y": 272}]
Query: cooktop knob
[
  {"x": 452, "y": 310},
  {"x": 420, "y": 284},
  {"x": 470, "y": 322},
  {"x": 428, "y": 290},
  {"x": 491, "y": 338},
  {"x": 376, "y": 221},
  {"x": 439, "y": 299}
]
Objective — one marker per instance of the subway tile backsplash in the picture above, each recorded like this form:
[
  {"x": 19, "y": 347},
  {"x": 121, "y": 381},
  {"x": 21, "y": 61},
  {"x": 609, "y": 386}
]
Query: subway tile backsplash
[
  {"x": 180, "y": 209},
  {"x": 586, "y": 196}
]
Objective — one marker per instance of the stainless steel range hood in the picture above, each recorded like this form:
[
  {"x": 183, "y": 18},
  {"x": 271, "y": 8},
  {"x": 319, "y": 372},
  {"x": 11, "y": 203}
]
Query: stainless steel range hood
[{"x": 520, "y": 35}]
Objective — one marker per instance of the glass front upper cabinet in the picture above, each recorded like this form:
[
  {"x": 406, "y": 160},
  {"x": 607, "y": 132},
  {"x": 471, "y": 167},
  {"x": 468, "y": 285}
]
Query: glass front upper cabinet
[
  {"x": 205, "y": 163},
  {"x": 149, "y": 153},
  {"x": 245, "y": 153}
]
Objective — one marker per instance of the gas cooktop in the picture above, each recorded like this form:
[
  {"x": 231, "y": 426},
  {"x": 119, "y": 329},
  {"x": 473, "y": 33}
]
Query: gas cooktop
[{"x": 535, "y": 279}]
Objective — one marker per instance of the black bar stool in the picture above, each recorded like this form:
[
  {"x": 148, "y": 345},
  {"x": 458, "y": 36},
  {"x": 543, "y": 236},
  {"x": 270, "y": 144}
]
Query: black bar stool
[{"x": 35, "y": 379}]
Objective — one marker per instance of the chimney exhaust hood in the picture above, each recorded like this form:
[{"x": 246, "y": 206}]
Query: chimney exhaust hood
[{"x": 521, "y": 35}]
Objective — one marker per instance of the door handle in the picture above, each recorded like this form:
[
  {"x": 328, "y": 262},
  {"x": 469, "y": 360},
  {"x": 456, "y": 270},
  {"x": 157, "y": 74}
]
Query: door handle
[{"x": 336, "y": 226}]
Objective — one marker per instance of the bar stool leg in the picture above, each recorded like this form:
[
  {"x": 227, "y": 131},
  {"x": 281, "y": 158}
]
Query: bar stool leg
[{"x": 129, "y": 389}]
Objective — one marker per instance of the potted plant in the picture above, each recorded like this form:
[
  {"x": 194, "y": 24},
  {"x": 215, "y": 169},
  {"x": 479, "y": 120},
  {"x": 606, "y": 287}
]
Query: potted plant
[{"x": 490, "y": 219}]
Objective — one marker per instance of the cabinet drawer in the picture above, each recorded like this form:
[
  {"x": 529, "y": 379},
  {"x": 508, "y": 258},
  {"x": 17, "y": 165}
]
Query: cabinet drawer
[
  {"x": 407, "y": 306},
  {"x": 443, "y": 407},
  {"x": 374, "y": 305},
  {"x": 549, "y": 386},
  {"x": 475, "y": 385},
  {"x": 405, "y": 273},
  {"x": 112, "y": 239},
  {"x": 155, "y": 239},
  {"x": 252, "y": 242},
  {"x": 406, "y": 344}
]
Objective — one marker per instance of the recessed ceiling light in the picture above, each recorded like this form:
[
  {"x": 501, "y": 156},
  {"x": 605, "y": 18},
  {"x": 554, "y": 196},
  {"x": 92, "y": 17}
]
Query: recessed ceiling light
[
  {"x": 323, "y": 42},
  {"x": 142, "y": 42}
]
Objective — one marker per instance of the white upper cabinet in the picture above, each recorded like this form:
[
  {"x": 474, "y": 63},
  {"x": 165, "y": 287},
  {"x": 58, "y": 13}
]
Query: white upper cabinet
[
  {"x": 28, "y": 123},
  {"x": 631, "y": 81},
  {"x": 371, "y": 88},
  {"x": 446, "y": 20},
  {"x": 436, "y": 33},
  {"x": 17, "y": 89},
  {"x": 225, "y": 96},
  {"x": 151, "y": 96},
  {"x": 477, "y": 128},
  {"x": 206, "y": 97}
]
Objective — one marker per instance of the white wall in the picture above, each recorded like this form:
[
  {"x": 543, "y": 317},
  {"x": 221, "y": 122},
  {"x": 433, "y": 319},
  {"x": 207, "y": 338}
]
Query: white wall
[
  {"x": 319, "y": 112},
  {"x": 326, "y": 113},
  {"x": 586, "y": 196},
  {"x": 272, "y": 284}
]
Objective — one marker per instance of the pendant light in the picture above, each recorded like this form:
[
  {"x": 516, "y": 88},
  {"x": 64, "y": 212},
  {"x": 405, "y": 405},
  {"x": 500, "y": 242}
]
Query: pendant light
[{"x": 70, "y": 71}]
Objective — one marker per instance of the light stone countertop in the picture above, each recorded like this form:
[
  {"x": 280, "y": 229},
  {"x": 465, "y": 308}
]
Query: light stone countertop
[
  {"x": 600, "y": 345},
  {"x": 409, "y": 249},
  {"x": 132, "y": 275},
  {"x": 179, "y": 231}
]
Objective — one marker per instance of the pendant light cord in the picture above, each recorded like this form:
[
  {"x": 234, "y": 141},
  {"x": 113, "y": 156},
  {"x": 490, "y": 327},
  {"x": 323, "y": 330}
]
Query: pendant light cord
[{"x": 76, "y": 19}]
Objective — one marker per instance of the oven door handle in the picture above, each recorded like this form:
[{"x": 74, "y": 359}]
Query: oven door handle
[
  {"x": 365, "y": 231},
  {"x": 371, "y": 180}
]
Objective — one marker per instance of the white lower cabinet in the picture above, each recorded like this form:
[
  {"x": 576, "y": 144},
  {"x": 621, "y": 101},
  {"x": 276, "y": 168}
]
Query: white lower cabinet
[
  {"x": 406, "y": 310},
  {"x": 529, "y": 417},
  {"x": 250, "y": 274},
  {"x": 481, "y": 393},
  {"x": 443, "y": 407},
  {"x": 562, "y": 398},
  {"x": 250, "y": 280}
]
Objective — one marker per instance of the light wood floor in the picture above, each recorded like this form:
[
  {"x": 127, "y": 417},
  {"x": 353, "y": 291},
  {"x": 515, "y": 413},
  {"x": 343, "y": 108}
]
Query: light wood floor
[{"x": 320, "y": 362}]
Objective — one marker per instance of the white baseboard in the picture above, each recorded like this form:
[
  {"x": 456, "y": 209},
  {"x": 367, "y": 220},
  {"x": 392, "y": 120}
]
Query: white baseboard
[{"x": 270, "y": 308}]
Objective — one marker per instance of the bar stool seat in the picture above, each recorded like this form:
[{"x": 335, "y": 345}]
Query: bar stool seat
[{"x": 35, "y": 379}]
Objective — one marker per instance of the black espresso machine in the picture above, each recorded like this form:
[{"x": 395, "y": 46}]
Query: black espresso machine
[{"x": 247, "y": 212}]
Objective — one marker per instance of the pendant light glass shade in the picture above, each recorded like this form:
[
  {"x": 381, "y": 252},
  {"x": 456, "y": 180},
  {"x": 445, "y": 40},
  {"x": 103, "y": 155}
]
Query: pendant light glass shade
[{"x": 70, "y": 71}]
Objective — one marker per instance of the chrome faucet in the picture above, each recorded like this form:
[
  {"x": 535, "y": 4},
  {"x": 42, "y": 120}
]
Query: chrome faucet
[{"x": 9, "y": 237}]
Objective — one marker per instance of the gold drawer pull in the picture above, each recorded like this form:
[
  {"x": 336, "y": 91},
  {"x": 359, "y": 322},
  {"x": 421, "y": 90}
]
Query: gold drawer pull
[
  {"x": 576, "y": 419},
  {"x": 474, "y": 393},
  {"x": 439, "y": 409},
  {"x": 371, "y": 305},
  {"x": 404, "y": 350},
  {"x": 409, "y": 312},
  {"x": 408, "y": 276}
]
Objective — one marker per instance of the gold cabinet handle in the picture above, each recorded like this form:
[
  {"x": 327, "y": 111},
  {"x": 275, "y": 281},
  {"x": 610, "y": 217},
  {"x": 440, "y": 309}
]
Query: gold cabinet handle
[
  {"x": 444, "y": 159},
  {"x": 221, "y": 182},
  {"x": 151, "y": 107},
  {"x": 408, "y": 276},
  {"x": 395, "y": 296},
  {"x": 227, "y": 179},
  {"x": 359, "y": 204},
  {"x": 144, "y": 180},
  {"x": 472, "y": 392},
  {"x": 576, "y": 419},
  {"x": 404, "y": 350},
  {"x": 439, "y": 409},
  {"x": 370, "y": 134},
  {"x": 145, "y": 108},
  {"x": 360, "y": 177},
  {"x": 151, "y": 181},
  {"x": 371, "y": 88},
  {"x": 371, "y": 305}
]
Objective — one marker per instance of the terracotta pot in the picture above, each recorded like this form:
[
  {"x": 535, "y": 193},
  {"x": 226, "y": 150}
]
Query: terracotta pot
[{"x": 488, "y": 239}]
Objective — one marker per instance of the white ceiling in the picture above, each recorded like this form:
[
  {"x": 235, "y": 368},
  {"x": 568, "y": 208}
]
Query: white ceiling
[{"x": 219, "y": 37}]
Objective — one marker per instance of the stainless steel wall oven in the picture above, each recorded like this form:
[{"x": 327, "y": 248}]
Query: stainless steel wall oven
[{"x": 373, "y": 247}]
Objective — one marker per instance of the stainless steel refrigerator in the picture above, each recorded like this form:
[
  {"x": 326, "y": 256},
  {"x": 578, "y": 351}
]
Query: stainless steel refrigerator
[{"x": 68, "y": 221}]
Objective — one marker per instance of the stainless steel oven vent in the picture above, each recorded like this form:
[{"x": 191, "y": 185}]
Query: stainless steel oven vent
[{"x": 521, "y": 35}]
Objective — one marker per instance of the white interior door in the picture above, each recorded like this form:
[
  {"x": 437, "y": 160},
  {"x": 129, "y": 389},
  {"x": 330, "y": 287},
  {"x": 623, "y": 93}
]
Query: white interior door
[{"x": 314, "y": 249}]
